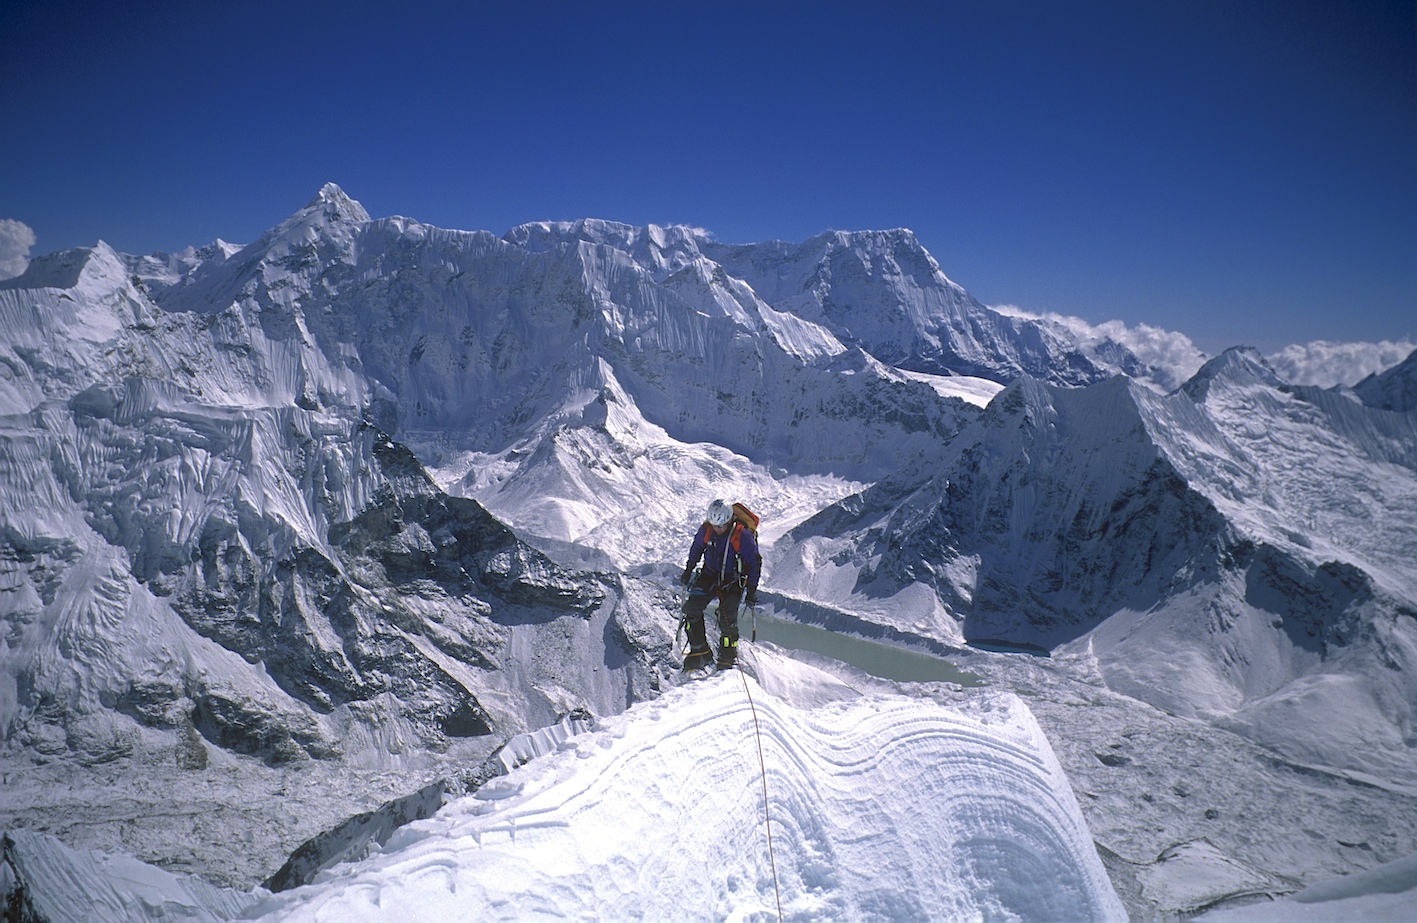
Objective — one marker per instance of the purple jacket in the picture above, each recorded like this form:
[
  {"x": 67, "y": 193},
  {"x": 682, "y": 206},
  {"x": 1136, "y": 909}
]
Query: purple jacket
[{"x": 730, "y": 555}]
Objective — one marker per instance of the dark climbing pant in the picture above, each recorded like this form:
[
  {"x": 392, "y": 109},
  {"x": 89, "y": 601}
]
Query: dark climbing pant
[{"x": 701, "y": 593}]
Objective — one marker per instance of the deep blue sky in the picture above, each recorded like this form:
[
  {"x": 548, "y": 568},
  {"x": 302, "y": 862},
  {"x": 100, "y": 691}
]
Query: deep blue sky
[{"x": 1242, "y": 172}]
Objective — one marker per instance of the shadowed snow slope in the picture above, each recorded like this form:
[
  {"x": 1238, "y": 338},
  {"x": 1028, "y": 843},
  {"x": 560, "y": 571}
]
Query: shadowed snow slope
[
  {"x": 1394, "y": 389},
  {"x": 881, "y": 807}
]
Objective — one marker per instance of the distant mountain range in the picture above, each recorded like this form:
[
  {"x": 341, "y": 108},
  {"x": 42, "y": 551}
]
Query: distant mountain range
[{"x": 364, "y": 485}]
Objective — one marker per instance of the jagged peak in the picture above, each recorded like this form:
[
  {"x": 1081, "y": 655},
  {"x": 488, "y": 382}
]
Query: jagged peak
[
  {"x": 332, "y": 201},
  {"x": 543, "y": 235},
  {"x": 218, "y": 249},
  {"x": 888, "y": 240},
  {"x": 1239, "y": 365},
  {"x": 330, "y": 208},
  {"x": 899, "y": 245},
  {"x": 661, "y": 250},
  {"x": 331, "y": 214},
  {"x": 1108, "y": 405},
  {"x": 1024, "y": 395},
  {"x": 873, "y": 237}
]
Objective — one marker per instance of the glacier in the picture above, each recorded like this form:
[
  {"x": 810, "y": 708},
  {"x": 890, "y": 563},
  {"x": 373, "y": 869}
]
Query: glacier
[{"x": 293, "y": 531}]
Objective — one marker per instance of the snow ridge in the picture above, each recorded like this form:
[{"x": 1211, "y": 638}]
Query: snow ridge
[
  {"x": 883, "y": 807},
  {"x": 43, "y": 877}
]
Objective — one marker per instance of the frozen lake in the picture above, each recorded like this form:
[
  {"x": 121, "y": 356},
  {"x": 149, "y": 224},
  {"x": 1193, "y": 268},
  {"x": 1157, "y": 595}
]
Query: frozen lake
[{"x": 887, "y": 661}]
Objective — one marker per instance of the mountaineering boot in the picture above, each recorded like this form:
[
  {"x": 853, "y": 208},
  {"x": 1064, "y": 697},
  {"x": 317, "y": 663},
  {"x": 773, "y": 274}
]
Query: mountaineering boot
[
  {"x": 727, "y": 653},
  {"x": 695, "y": 660},
  {"x": 699, "y": 651}
]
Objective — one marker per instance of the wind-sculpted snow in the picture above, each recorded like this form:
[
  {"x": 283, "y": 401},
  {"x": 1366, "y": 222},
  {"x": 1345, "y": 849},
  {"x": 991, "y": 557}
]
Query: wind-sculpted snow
[{"x": 880, "y": 808}]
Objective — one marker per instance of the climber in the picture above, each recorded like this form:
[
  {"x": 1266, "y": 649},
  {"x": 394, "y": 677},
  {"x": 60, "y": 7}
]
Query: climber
[{"x": 728, "y": 545}]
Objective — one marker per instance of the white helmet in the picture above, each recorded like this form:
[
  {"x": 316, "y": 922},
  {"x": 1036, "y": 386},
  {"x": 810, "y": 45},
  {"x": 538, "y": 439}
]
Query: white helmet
[{"x": 719, "y": 513}]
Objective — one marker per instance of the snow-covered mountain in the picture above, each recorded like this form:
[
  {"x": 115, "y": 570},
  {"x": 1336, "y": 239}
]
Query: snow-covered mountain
[
  {"x": 352, "y": 505},
  {"x": 191, "y": 547},
  {"x": 1238, "y": 550},
  {"x": 1394, "y": 389},
  {"x": 469, "y": 340},
  {"x": 198, "y": 443}
]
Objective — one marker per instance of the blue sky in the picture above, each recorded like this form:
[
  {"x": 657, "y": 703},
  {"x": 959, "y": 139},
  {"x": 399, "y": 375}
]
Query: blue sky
[{"x": 1239, "y": 172}]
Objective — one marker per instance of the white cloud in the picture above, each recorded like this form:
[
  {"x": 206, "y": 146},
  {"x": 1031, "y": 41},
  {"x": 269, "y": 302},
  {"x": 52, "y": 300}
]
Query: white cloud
[
  {"x": 16, "y": 238},
  {"x": 1171, "y": 356},
  {"x": 1327, "y": 364}
]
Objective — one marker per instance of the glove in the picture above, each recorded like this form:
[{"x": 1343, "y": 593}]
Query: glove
[
  {"x": 751, "y": 597},
  {"x": 687, "y": 576}
]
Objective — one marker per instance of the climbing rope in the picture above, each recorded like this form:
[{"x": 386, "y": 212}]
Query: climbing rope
[{"x": 767, "y": 817}]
